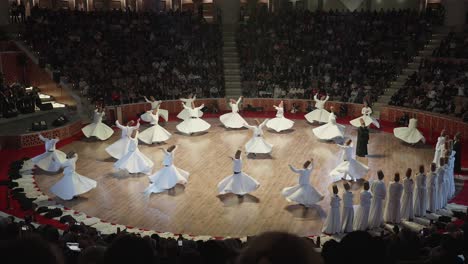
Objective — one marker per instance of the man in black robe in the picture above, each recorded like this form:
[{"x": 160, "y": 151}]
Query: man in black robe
[
  {"x": 362, "y": 139},
  {"x": 457, "y": 149}
]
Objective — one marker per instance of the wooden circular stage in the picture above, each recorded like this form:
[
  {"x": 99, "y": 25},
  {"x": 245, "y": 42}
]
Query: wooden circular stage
[{"x": 197, "y": 209}]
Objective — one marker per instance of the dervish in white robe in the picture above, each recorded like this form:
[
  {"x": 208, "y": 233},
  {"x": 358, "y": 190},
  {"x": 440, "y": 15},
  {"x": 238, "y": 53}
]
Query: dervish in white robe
[
  {"x": 119, "y": 148},
  {"x": 420, "y": 195},
  {"x": 303, "y": 193},
  {"x": 257, "y": 144},
  {"x": 233, "y": 119},
  {"x": 97, "y": 128},
  {"x": 440, "y": 146},
  {"x": 154, "y": 105},
  {"x": 280, "y": 123},
  {"x": 194, "y": 124},
  {"x": 378, "y": 196},
  {"x": 168, "y": 176},
  {"x": 52, "y": 158},
  {"x": 441, "y": 184},
  {"x": 72, "y": 184},
  {"x": 432, "y": 201},
  {"x": 366, "y": 116},
  {"x": 239, "y": 182},
  {"x": 393, "y": 203},
  {"x": 409, "y": 134},
  {"x": 407, "y": 211},
  {"x": 134, "y": 161},
  {"x": 330, "y": 130},
  {"x": 361, "y": 221},
  {"x": 332, "y": 224},
  {"x": 319, "y": 114},
  {"x": 155, "y": 133},
  {"x": 349, "y": 168},
  {"x": 185, "y": 113},
  {"x": 347, "y": 214}
]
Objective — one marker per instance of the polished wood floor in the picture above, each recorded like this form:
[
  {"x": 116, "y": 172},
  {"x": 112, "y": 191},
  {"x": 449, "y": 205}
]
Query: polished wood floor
[{"x": 197, "y": 209}]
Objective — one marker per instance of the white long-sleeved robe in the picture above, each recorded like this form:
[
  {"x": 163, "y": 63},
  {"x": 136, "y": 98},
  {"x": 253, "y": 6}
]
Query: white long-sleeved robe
[
  {"x": 332, "y": 224},
  {"x": 320, "y": 114},
  {"x": 349, "y": 168},
  {"x": 184, "y": 114},
  {"x": 119, "y": 148},
  {"x": 257, "y": 143},
  {"x": 366, "y": 116},
  {"x": 331, "y": 130},
  {"x": 279, "y": 123},
  {"x": 379, "y": 193},
  {"x": 194, "y": 123},
  {"x": 97, "y": 128},
  {"x": 134, "y": 161},
  {"x": 432, "y": 201},
  {"x": 233, "y": 119},
  {"x": 361, "y": 221},
  {"x": 239, "y": 182},
  {"x": 420, "y": 195},
  {"x": 407, "y": 211},
  {"x": 155, "y": 133},
  {"x": 409, "y": 134},
  {"x": 347, "y": 214},
  {"x": 52, "y": 158},
  {"x": 303, "y": 193},
  {"x": 393, "y": 203}
]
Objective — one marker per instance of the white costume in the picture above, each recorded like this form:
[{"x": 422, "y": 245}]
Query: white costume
[
  {"x": 332, "y": 224},
  {"x": 420, "y": 195},
  {"x": 441, "y": 183},
  {"x": 257, "y": 144},
  {"x": 97, "y": 128},
  {"x": 154, "y": 104},
  {"x": 168, "y": 176},
  {"x": 407, "y": 211},
  {"x": 280, "y": 123},
  {"x": 446, "y": 196},
  {"x": 393, "y": 203},
  {"x": 409, "y": 134},
  {"x": 378, "y": 196},
  {"x": 193, "y": 124},
  {"x": 330, "y": 130},
  {"x": 155, "y": 133},
  {"x": 239, "y": 182},
  {"x": 439, "y": 148},
  {"x": 72, "y": 184},
  {"x": 303, "y": 193},
  {"x": 361, "y": 221},
  {"x": 134, "y": 161},
  {"x": 366, "y": 116},
  {"x": 52, "y": 158},
  {"x": 349, "y": 169},
  {"x": 119, "y": 148},
  {"x": 185, "y": 113},
  {"x": 451, "y": 179},
  {"x": 347, "y": 214},
  {"x": 233, "y": 119},
  {"x": 432, "y": 201},
  {"x": 320, "y": 114}
]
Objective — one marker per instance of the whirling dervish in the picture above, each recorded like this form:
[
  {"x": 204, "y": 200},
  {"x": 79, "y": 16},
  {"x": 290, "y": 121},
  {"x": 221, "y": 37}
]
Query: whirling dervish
[
  {"x": 97, "y": 128},
  {"x": 303, "y": 193},
  {"x": 349, "y": 168},
  {"x": 194, "y": 124},
  {"x": 189, "y": 102},
  {"x": 280, "y": 123},
  {"x": 233, "y": 119},
  {"x": 154, "y": 105},
  {"x": 366, "y": 112},
  {"x": 169, "y": 175},
  {"x": 72, "y": 184},
  {"x": 239, "y": 182},
  {"x": 440, "y": 147},
  {"x": 134, "y": 161},
  {"x": 330, "y": 130},
  {"x": 361, "y": 221},
  {"x": 45, "y": 161},
  {"x": 257, "y": 145},
  {"x": 409, "y": 134},
  {"x": 155, "y": 133},
  {"x": 119, "y": 148},
  {"x": 319, "y": 114},
  {"x": 332, "y": 224}
]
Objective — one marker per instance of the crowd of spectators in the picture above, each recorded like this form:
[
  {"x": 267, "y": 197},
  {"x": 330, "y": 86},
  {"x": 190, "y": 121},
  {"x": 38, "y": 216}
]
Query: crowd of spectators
[
  {"x": 118, "y": 57},
  {"x": 23, "y": 242},
  {"x": 434, "y": 86},
  {"x": 455, "y": 45},
  {"x": 347, "y": 54},
  {"x": 15, "y": 98}
]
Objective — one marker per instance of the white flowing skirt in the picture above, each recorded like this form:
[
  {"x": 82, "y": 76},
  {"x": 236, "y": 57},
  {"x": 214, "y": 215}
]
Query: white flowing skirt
[
  {"x": 392, "y": 211},
  {"x": 99, "y": 130},
  {"x": 319, "y": 115},
  {"x": 166, "y": 178},
  {"x": 376, "y": 213},
  {"x": 409, "y": 135},
  {"x": 148, "y": 118},
  {"x": 279, "y": 124},
  {"x": 329, "y": 131},
  {"x": 349, "y": 170},
  {"x": 347, "y": 216},
  {"x": 258, "y": 145},
  {"x": 332, "y": 224},
  {"x": 419, "y": 201},
  {"x": 134, "y": 162},
  {"x": 184, "y": 114},
  {"x": 119, "y": 148},
  {"x": 240, "y": 184},
  {"x": 367, "y": 120},
  {"x": 232, "y": 120},
  {"x": 407, "y": 211},
  {"x": 72, "y": 185},
  {"x": 193, "y": 125},
  {"x": 46, "y": 163},
  {"x": 361, "y": 220},
  {"x": 302, "y": 194},
  {"x": 153, "y": 134}
]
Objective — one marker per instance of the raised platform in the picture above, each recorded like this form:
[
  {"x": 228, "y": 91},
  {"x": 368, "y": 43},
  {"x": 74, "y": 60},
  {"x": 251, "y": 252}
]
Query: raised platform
[{"x": 17, "y": 132}]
